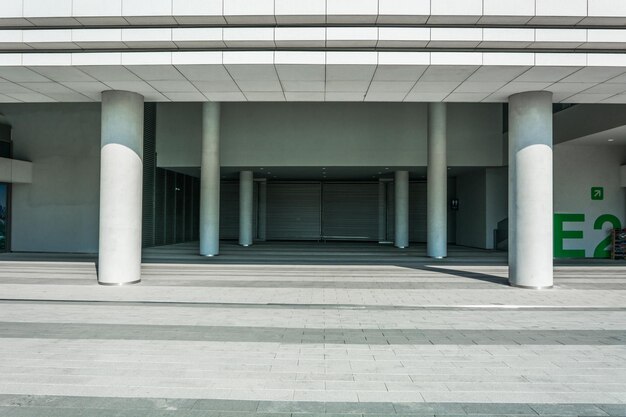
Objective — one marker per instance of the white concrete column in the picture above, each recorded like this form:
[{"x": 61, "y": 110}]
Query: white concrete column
[
  {"x": 262, "y": 220},
  {"x": 210, "y": 181},
  {"x": 401, "y": 195},
  {"x": 121, "y": 178},
  {"x": 246, "y": 205},
  {"x": 437, "y": 179},
  {"x": 530, "y": 190}
]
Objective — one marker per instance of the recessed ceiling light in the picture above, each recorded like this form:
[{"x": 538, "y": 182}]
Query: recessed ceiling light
[
  {"x": 386, "y": 168},
  {"x": 611, "y": 140},
  {"x": 261, "y": 169}
]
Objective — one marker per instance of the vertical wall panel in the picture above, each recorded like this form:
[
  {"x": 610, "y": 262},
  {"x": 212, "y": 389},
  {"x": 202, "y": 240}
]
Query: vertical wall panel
[
  {"x": 159, "y": 207},
  {"x": 170, "y": 207},
  {"x": 350, "y": 211},
  {"x": 188, "y": 208},
  {"x": 417, "y": 212},
  {"x": 294, "y": 211},
  {"x": 196, "y": 209},
  {"x": 149, "y": 173},
  {"x": 180, "y": 207},
  {"x": 229, "y": 210}
]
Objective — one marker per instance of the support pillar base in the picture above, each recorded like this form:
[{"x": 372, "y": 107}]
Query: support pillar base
[
  {"x": 526, "y": 287},
  {"x": 118, "y": 284}
]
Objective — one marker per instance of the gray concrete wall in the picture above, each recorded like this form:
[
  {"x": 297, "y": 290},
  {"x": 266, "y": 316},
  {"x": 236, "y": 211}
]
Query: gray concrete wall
[
  {"x": 58, "y": 212},
  {"x": 470, "y": 218},
  {"x": 576, "y": 170},
  {"x": 330, "y": 134}
]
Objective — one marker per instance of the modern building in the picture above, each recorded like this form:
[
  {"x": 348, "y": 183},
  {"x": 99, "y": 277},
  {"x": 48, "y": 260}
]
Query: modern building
[{"x": 492, "y": 124}]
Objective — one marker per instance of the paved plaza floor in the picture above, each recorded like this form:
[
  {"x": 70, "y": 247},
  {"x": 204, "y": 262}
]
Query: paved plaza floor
[{"x": 310, "y": 329}]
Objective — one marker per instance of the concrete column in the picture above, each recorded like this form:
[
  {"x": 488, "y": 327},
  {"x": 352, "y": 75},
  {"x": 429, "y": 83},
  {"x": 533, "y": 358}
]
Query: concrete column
[
  {"x": 246, "y": 204},
  {"x": 437, "y": 178},
  {"x": 262, "y": 220},
  {"x": 530, "y": 190},
  {"x": 121, "y": 178},
  {"x": 210, "y": 181},
  {"x": 401, "y": 184},
  {"x": 382, "y": 211}
]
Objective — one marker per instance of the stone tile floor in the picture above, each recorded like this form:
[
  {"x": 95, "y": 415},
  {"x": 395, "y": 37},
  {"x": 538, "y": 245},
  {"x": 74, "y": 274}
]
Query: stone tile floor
[{"x": 334, "y": 337}]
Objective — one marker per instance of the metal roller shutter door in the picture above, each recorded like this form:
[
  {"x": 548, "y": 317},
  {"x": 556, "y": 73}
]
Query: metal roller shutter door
[
  {"x": 350, "y": 211},
  {"x": 229, "y": 210},
  {"x": 294, "y": 211},
  {"x": 417, "y": 211}
]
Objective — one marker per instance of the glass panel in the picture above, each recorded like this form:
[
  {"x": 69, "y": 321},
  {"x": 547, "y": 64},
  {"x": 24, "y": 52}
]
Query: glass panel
[{"x": 4, "y": 216}]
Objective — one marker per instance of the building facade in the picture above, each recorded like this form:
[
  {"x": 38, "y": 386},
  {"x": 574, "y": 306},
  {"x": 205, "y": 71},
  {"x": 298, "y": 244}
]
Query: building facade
[{"x": 493, "y": 124}]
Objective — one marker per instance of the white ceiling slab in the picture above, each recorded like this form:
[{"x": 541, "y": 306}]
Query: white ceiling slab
[
  {"x": 304, "y": 96},
  {"x": 198, "y": 12},
  {"x": 403, "y": 11},
  {"x": 300, "y": 37},
  {"x": 21, "y": 74},
  {"x": 46, "y": 88},
  {"x": 225, "y": 96},
  {"x": 594, "y": 74},
  {"x": 390, "y": 87},
  {"x": 570, "y": 88},
  {"x": 466, "y": 97},
  {"x": 385, "y": 96},
  {"x": 216, "y": 86},
  {"x": 304, "y": 86},
  {"x": 425, "y": 97},
  {"x": 182, "y": 97},
  {"x": 351, "y": 11},
  {"x": 259, "y": 86},
  {"x": 347, "y": 86},
  {"x": 299, "y": 11},
  {"x": 264, "y": 96},
  {"x": 497, "y": 73},
  {"x": 249, "y": 11},
  {"x": 301, "y": 72},
  {"x": 249, "y": 37},
  {"x": 109, "y": 73},
  {"x": 156, "y": 72},
  {"x": 587, "y": 98},
  {"x": 344, "y": 96},
  {"x": 351, "y": 37},
  {"x": 546, "y": 74},
  {"x": 479, "y": 87},
  {"x": 268, "y": 75},
  {"x": 182, "y": 86},
  {"x": 198, "y": 37}
]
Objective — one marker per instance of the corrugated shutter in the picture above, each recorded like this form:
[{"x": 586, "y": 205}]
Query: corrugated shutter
[
  {"x": 149, "y": 173},
  {"x": 188, "y": 208},
  {"x": 350, "y": 211},
  {"x": 170, "y": 207},
  {"x": 196, "y": 208},
  {"x": 159, "y": 207},
  {"x": 229, "y": 210},
  {"x": 417, "y": 212},
  {"x": 294, "y": 211}
]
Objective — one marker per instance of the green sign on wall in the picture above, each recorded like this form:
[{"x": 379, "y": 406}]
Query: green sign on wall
[{"x": 597, "y": 193}]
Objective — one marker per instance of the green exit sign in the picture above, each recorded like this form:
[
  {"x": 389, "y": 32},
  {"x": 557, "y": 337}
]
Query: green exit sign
[{"x": 597, "y": 193}]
